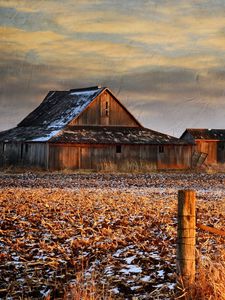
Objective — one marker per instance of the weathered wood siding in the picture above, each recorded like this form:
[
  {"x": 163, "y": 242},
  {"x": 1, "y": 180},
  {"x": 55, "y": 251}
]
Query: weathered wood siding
[
  {"x": 105, "y": 110},
  {"x": 214, "y": 149},
  {"x": 209, "y": 147},
  {"x": 175, "y": 157},
  {"x": 93, "y": 156},
  {"x": 65, "y": 157},
  {"x": 70, "y": 156},
  {"x": 24, "y": 154}
]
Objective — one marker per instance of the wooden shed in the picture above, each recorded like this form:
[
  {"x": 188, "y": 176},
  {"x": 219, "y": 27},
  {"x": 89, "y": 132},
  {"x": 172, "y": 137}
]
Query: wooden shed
[
  {"x": 210, "y": 142},
  {"x": 88, "y": 129}
]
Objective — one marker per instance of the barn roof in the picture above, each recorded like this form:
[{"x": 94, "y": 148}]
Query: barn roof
[
  {"x": 26, "y": 134},
  {"x": 113, "y": 135},
  {"x": 205, "y": 134},
  {"x": 90, "y": 135},
  {"x": 60, "y": 107}
]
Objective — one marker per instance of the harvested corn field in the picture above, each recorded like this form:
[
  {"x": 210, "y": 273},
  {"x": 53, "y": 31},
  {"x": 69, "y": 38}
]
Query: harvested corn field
[{"x": 112, "y": 235}]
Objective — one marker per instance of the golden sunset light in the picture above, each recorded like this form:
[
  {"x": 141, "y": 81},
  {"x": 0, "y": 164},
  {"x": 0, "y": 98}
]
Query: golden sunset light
[
  {"x": 112, "y": 149},
  {"x": 164, "y": 59}
]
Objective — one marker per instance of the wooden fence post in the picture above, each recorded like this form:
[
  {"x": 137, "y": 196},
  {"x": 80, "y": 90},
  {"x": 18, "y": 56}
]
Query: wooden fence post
[{"x": 186, "y": 237}]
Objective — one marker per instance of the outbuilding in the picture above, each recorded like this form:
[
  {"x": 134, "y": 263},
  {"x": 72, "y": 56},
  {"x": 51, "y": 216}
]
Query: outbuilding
[{"x": 209, "y": 143}]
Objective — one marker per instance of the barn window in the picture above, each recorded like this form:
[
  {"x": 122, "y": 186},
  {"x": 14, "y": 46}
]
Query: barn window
[
  {"x": 118, "y": 149},
  {"x": 107, "y": 108},
  {"x": 161, "y": 149},
  {"x": 26, "y": 148}
]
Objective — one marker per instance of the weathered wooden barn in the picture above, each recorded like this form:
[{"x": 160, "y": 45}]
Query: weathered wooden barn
[
  {"x": 87, "y": 129},
  {"x": 210, "y": 142}
]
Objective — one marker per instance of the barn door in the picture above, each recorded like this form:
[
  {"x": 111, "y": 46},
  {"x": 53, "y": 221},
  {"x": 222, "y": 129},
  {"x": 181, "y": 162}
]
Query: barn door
[{"x": 198, "y": 159}]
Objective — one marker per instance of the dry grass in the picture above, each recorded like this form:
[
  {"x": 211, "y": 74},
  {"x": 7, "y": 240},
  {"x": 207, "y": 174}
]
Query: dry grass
[
  {"x": 129, "y": 166},
  {"x": 86, "y": 289},
  {"x": 210, "y": 277},
  {"x": 214, "y": 168},
  {"x": 107, "y": 166}
]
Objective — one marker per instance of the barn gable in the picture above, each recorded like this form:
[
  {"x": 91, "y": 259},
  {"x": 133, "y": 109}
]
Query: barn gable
[{"x": 105, "y": 110}]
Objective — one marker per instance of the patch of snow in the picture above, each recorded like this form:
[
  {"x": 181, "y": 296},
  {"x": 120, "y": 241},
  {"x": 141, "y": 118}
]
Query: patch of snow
[
  {"x": 46, "y": 293},
  {"x": 115, "y": 291},
  {"x": 161, "y": 273},
  {"x": 155, "y": 255},
  {"x": 46, "y": 137},
  {"x": 136, "y": 287},
  {"x": 85, "y": 93},
  {"x": 16, "y": 258},
  {"x": 146, "y": 278},
  {"x": 171, "y": 286},
  {"x": 80, "y": 103},
  {"x": 131, "y": 269},
  {"x": 108, "y": 271},
  {"x": 70, "y": 114},
  {"x": 118, "y": 252},
  {"x": 129, "y": 259},
  {"x": 159, "y": 285}
]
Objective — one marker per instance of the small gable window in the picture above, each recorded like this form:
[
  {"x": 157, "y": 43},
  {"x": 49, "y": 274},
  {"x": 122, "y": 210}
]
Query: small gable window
[
  {"x": 107, "y": 108},
  {"x": 161, "y": 149},
  {"x": 118, "y": 149}
]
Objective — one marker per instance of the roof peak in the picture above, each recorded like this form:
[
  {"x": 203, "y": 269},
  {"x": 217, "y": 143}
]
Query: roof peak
[
  {"x": 209, "y": 129},
  {"x": 91, "y": 88}
]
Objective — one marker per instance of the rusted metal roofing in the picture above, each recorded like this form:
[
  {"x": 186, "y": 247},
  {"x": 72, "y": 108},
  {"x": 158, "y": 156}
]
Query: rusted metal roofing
[
  {"x": 60, "y": 107},
  {"x": 113, "y": 135},
  {"x": 205, "y": 134}
]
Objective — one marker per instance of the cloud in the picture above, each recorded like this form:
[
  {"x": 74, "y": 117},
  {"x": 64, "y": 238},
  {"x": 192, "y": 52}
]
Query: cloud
[{"x": 163, "y": 59}]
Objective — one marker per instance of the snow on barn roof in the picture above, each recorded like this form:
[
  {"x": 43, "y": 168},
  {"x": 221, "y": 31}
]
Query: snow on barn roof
[
  {"x": 61, "y": 107},
  {"x": 205, "y": 134},
  {"x": 113, "y": 135},
  {"x": 27, "y": 134}
]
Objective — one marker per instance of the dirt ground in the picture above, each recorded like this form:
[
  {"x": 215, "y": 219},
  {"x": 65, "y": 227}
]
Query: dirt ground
[{"x": 113, "y": 232}]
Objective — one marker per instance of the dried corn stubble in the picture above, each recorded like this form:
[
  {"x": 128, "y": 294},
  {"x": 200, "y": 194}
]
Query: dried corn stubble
[{"x": 125, "y": 236}]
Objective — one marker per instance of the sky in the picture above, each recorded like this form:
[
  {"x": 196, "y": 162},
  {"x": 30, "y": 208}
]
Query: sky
[{"x": 164, "y": 60}]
